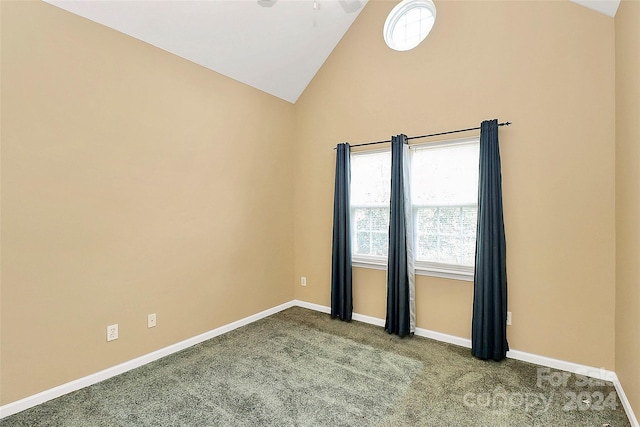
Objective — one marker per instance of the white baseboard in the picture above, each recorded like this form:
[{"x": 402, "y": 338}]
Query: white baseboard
[
  {"x": 626, "y": 404},
  {"x": 574, "y": 368},
  {"x": 36, "y": 399},
  {"x": 439, "y": 336},
  {"x": 324, "y": 309},
  {"x": 44, "y": 396},
  {"x": 312, "y": 306}
]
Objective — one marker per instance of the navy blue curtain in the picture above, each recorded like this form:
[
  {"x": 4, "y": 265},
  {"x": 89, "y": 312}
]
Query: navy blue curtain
[
  {"x": 400, "y": 318},
  {"x": 341, "y": 297},
  {"x": 489, "y": 324}
]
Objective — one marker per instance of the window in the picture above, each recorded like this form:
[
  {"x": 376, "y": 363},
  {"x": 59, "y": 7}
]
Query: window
[
  {"x": 409, "y": 23},
  {"x": 370, "y": 195},
  {"x": 444, "y": 193}
]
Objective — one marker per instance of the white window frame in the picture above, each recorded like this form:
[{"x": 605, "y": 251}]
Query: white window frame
[
  {"x": 437, "y": 269},
  {"x": 422, "y": 268},
  {"x": 369, "y": 258},
  {"x": 368, "y": 261}
]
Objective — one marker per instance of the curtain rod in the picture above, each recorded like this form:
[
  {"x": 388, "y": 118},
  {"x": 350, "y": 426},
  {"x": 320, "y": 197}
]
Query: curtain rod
[{"x": 426, "y": 136}]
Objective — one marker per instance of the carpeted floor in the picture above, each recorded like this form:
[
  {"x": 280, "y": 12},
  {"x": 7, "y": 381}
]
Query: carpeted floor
[{"x": 300, "y": 368}]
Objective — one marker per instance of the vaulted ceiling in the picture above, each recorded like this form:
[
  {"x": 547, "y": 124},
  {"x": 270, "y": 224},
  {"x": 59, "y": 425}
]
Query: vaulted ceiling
[{"x": 276, "y": 46}]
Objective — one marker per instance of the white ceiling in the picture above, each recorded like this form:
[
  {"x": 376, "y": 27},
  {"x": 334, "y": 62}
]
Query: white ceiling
[
  {"x": 276, "y": 49},
  {"x": 608, "y": 7}
]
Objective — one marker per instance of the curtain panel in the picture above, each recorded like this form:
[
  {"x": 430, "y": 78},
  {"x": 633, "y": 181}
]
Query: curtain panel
[
  {"x": 489, "y": 323},
  {"x": 341, "y": 276},
  {"x": 400, "y": 318}
]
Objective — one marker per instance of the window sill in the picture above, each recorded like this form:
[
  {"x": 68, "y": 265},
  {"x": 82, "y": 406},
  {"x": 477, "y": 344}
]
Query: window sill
[
  {"x": 372, "y": 264},
  {"x": 421, "y": 269}
]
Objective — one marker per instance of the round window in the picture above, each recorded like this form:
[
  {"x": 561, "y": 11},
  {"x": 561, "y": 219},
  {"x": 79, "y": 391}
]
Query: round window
[{"x": 409, "y": 23}]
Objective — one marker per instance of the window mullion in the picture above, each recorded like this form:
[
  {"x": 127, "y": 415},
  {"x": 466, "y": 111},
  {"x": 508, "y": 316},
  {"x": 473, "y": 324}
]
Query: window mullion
[
  {"x": 460, "y": 235},
  {"x": 370, "y": 232},
  {"x": 438, "y": 229}
]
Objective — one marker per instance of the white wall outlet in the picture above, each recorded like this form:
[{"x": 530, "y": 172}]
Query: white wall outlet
[
  {"x": 151, "y": 320},
  {"x": 112, "y": 332},
  {"x": 508, "y": 318},
  {"x": 303, "y": 281}
]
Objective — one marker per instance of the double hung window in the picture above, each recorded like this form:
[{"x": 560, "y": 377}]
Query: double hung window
[{"x": 444, "y": 194}]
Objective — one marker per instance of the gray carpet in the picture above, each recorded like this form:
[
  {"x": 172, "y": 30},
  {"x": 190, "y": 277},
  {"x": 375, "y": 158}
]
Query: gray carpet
[{"x": 300, "y": 368}]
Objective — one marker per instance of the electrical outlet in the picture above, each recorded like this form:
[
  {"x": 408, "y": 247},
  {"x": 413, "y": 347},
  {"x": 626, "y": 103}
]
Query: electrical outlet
[
  {"x": 508, "y": 318},
  {"x": 112, "y": 332},
  {"x": 303, "y": 281},
  {"x": 151, "y": 320}
]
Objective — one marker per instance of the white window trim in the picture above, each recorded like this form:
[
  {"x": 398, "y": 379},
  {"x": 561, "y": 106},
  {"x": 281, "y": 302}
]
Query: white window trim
[
  {"x": 445, "y": 271},
  {"x": 373, "y": 262},
  {"x": 422, "y": 268},
  {"x": 397, "y": 13}
]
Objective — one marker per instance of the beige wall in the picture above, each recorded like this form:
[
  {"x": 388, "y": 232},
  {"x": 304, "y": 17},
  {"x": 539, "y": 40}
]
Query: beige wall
[
  {"x": 119, "y": 199},
  {"x": 132, "y": 182},
  {"x": 546, "y": 66},
  {"x": 628, "y": 199}
]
